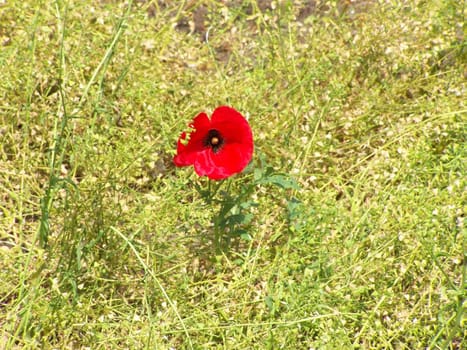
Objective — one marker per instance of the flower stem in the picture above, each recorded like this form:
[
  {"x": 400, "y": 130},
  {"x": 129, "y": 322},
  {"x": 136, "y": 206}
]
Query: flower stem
[{"x": 212, "y": 190}]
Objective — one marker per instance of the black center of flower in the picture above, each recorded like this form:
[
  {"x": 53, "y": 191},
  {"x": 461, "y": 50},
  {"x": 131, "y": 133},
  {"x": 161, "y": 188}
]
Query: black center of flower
[{"x": 214, "y": 140}]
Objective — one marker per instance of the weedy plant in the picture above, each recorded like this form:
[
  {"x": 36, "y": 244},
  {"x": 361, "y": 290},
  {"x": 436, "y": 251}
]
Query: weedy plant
[
  {"x": 219, "y": 148},
  {"x": 342, "y": 226}
]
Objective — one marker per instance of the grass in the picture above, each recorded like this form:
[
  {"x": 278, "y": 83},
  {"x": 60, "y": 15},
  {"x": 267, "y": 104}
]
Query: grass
[{"x": 104, "y": 244}]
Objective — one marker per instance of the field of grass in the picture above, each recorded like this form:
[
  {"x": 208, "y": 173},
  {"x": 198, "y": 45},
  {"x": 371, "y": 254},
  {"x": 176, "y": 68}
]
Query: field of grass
[{"x": 105, "y": 244}]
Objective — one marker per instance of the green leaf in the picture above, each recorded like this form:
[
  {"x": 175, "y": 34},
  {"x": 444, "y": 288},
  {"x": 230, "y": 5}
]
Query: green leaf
[
  {"x": 269, "y": 303},
  {"x": 245, "y": 236}
]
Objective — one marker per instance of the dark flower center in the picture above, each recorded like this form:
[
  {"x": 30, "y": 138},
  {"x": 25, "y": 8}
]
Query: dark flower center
[{"x": 214, "y": 140}]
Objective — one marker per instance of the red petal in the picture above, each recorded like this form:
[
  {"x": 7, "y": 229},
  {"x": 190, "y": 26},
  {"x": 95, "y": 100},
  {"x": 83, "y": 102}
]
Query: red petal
[
  {"x": 233, "y": 127},
  {"x": 232, "y": 159},
  {"x": 187, "y": 152}
]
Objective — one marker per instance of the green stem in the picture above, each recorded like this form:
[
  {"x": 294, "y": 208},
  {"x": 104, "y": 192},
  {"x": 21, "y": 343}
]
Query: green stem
[
  {"x": 226, "y": 205},
  {"x": 212, "y": 191}
]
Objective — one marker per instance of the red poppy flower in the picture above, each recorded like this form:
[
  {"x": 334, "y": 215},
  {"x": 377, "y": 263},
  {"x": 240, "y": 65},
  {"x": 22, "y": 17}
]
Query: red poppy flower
[{"x": 218, "y": 147}]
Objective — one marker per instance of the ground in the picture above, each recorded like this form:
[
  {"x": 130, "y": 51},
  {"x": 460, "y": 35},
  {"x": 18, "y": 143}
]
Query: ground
[{"x": 352, "y": 232}]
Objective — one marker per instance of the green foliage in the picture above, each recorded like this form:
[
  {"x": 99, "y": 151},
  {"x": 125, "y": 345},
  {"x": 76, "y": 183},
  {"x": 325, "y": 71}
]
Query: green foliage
[
  {"x": 347, "y": 231},
  {"x": 235, "y": 205}
]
